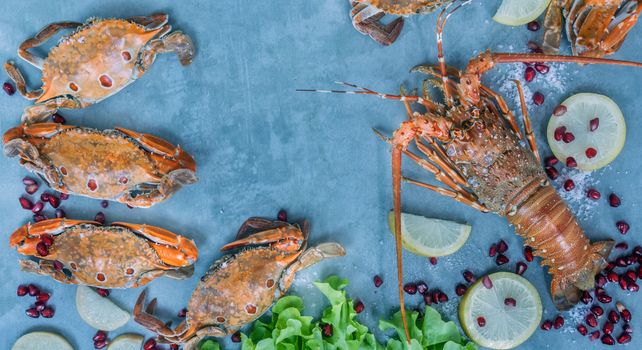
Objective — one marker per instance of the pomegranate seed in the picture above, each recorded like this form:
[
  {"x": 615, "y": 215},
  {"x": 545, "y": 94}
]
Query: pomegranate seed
[
  {"x": 282, "y": 215},
  {"x": 502, "y": 247},
  {"x": 637, "y": 250},
  {"x": 104, "y": 204},
  {"x": 623, "y": 283},
  {"x": 520, "y": 268},
  {"x": 600, "y": 280},
  {"x": 32, "y": 312},
  {"x": 640, "y": 272},
  {"x": 57, "y": 118},
  {"x": 597, "y": 311},
  {"x": 528, "y": 253},
  {"x": 591, "y": 320},
  {"x": 42, "y": 249},
  {"x": 460, "y": 289},
  {"x": 22, "y": 290},
  {"x": 37, "y": 207},
  {"x": 103, "y": 292},
  {"x": 614, "y": 200},
  {"x": 586, "y": 298},
  {"x": 626, "y": 314},
  {"x": 633, "y": 287},
  {"x": 410, "y": 288},
  {"x": 594, "y": 124},
  {"x": 28, "y": 181},
  {"x": 150, "y": 344},
  {"x": 358, "y": 307},
  {"x": 590, "y": 152},
  {"x": 622, "y": 226},
  {"x": 469, "y": 277},
  {"x": 43, "y": 297},
  {"x": 40, "y": 306},
  {"x": 550, "y": 161},
  {"x": 481, "y": 321},
  {"x": 559, "y": 133},
  {"x": 100, "y": 218},
  {"x": 175, "y": 346},
  {"x": 60, "y": 213},
  {"x": 569, "y": 185},
  {"x": 510, "y": 302},
  {"x": 64, "y": 196},
  {"x": 604, "y": 298},
  {"x": 581, "y": 329},
  {"x": 568, "y": 137},
  {"x": 533, "y": 46},
  {"x": 627, "y": 328},
  {"x": 486, "y": 281},
  {"x": 99, "y": 336},
  {"x": 422, "y": 287},
  {"x": 533, "y": 26},
  {"x": 54, "y": 201},
  {"x": 182, "y": 313},
  {"x": 593, "y": 194},
  {"x": 609, "y": 266},
  {"x": 443, "y": 297},
  {"x": 377, "y": 281},
  {"x": 236, "y": 337},
  {"x": 614, "y": 316},
  {"x": 101, "y": 344},
  {"x": 538, "y": 97},
  {"x": 560, "y": 111},
  {"x": 546, "y": 325},
  {"x": 428, "y": 299},
  {"x": 622, "y": 245},
  {"x": 435, "y": 296},
  {"x": 608, "y": 340},
  {"x": 433, "y": 261},
  {"x": 541, "y": 68},
  {"x": 551, "y": 172},
  {"x": 571, "y": 162},
  {"x": 559, "y": 322},
  {"x": 47, "y": 240},
  {"x": 594, "y": 336},
  {"x": 624, "y": 338},
  {"x": 501, "y": 259},
  {"x": 45, "y": 197},
  {"x": 631, "y": 275},
  {"x": 529, "y": 74},
  {"x": 31, "y": 189},
  {"x": 492, "y": 251},
  {"x": 8, "y": 88},
  {"x": 25, "y": 203},
  {"x": 621, "y": 262},
  {"x": 327, "y": 330},
  {"x": 48, "y": 312},
  {"x": 33, "y": 290},
  {"x": 38, "y": 218},
  {"x": 608, "y": 328}
]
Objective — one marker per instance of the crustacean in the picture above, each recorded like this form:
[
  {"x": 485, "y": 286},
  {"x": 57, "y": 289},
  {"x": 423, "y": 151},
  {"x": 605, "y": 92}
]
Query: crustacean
[
  {"x": 595, "y": 28},
  {"x": 366, "y": 16},
  {"x": 240, "y": 287},
  {"x": 118, "y": 256},
  {"x": 474, "y": 146},
  {"x": 137, "y": 169},
  {"x": 97, "y": 60}
]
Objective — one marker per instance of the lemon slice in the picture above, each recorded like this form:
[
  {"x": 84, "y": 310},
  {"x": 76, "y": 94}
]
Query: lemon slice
[
  {"x": 518, "y": 12},
  {"x": 504, "y": 326},
  {"x": 127, "y": 342},
  {"x": 99, "y": 312},
  {"x": 430, "y": 237},
  {"x": 607, "y": 138},
  {"x": 42, "y": 340}
]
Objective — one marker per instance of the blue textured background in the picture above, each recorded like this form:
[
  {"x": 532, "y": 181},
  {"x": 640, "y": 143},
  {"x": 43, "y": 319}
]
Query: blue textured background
[{"x": 261, "y": 146}]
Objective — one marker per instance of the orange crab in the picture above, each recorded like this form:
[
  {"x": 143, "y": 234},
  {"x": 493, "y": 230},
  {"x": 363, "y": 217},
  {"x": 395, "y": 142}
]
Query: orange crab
[
  {"x": 97, "y": 60},
  {"x": 118, "y": 256},
  {"x": 137, "y": 169},
  {"x": 240, "y": 287}
]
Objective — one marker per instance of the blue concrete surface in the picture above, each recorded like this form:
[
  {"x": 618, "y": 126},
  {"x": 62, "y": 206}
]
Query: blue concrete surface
[{"x": 260, "y": 146}]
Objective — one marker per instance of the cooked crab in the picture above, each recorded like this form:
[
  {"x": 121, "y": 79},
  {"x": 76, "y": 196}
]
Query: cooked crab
[
  {"x": 98, "y": 59},
  {"x": 118, "y": 256},
  {"x": 240, "y": 287},
  {"x": 120, "y": 165}
]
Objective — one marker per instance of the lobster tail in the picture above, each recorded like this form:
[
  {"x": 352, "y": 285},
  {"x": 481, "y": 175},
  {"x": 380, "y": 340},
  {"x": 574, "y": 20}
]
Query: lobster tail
[{"x": 549, "y": 227}]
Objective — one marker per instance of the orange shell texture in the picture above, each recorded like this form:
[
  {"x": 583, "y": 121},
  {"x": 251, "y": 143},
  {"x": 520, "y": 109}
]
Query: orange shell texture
[
  {"x": 96, "y": 61},
  {"x": 406, "y": 7}
]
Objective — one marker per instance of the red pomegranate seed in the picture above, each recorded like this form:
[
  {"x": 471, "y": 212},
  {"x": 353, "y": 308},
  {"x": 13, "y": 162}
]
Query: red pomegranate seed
[
  {"x": 460, "y": 289},
  {"x": 502, "y": 247},
  {"x": 236, "y": 337},
  {"x": 559, "y": 111},
  {"x": 533, "y": 46},
  {"x": 64, "y": 196},
  {"x": 546, "y": 325},
  {"x": 435, "y": 296},
  {"x": 551, "y": 172},
  {"x": 569, "y": 185},
  {"x": 410, "y": 288},
  {"x": 570, "y": 162},
  {"x": 640, "y": 272},
  {"x": 101, "y": 344},
  {"x": 623, "y": 283},
  {"x": 42, "y": 249},
  {"x": 47, "y": 240},
  {"x": 626, "y": 328},
  {"x": 590, "y": 152},
  {"x": 327, "y": 330},
  {"x": 481, "y": 321},
  {"x": 150, "y": 344},
  {"x": 622, "y": 245},
  {"x": 104, "y": 204},
  {"x": 631, "y": 275},
  {"x": 600, "y": 280},
  {"x": 486, "y": 281},
  {"x": 538, "y": 97},
  {"x": 568, "y": 137},
  {"x": 45, "y": 197},
  {"x": 586, "y": 298},
  {"x": 32, "y": 312},
  {"x": 54, "y": 201},
  {"x": 608, "y": 340},
  {"x": 637, "y": 250},
  {"x": 594, "y": 124},
  {"x": 433, "y": 261},
  {"x": 581, "y": 329},
  {"x": 428, "y": 299},
  {"x": 422, "y": 287},
  {"x": 100, "y": 218},
  {"x": 60, "y": 213},
  {"x": 22, "y": 290},
  {"x": 358, "y": 307},
  {"x": 608, "y": 328},
  {"x": 377, "y": 281},
  {"x": 443, "y": 297},
  {"x": 591, "y": 320},
  {"x": 282, "y": 215},
  {"x": 501, "y": 259},
  {"x": 559, "y": 322},
  {"x": 100, "y": 336},
  {"x": 597, "y": 311},
  {"x": 40, "y": 305},
  {"x": 550, "y": 161},
  {"x": 37, "y": 207},
  {"x": 528, "y": 253},
  {"x": 624, "y": 338},
  {"x": 469, "y": 277},
  {"x": 529, "y": 74},
  {"x": 614, "y": 316},
  {"x": 621, "y": 262},
  {"x": 510, "y": 302},
  {"x": 622, "y": 226},
  {"x": 57, "y": 118},
  {"x": 559, "y": 133},
  {"x": 25, "y": 203},
  {"x": 633, "y": 287},
  {"x": 28, "y": 181},
  {"x": 182, "y": 313},
  {"x": 175, "y": 346},
  {"x": 31, "y": 189},
  {"x": 533, "y": 26},
  {"x": 594, "y": 336},
  {"x": 541, "y": 68},
  {"x": 604, "y": 298},
  {"x": 593, "y": 194},
  {"x": 492, "y": 251},
  {"x": 33, "y": 290},
  {"x": 103, "y": 292},
  {"x": 48, "y": 312},
  {"x": 8, "y": 88},
  {"x": 43, "y": 297},
  {"x": 609, "y": 266},
  {"x": 520, "y": 268},
  {"x": 624, "y": 313},
  {"x": 614, "y": 200}
]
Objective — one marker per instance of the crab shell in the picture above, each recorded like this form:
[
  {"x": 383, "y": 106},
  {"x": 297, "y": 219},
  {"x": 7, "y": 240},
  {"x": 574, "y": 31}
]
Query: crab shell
[
  {"x": 406, "y": 7},
  {"x": 120, "y": 165},
  {"x": 118, "y": 256}
]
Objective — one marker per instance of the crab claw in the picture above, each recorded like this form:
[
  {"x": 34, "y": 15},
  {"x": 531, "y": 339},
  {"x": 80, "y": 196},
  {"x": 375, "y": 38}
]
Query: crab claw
[
  {"x": 287, "y": 238},
  {"x": 25, "y": 244}
]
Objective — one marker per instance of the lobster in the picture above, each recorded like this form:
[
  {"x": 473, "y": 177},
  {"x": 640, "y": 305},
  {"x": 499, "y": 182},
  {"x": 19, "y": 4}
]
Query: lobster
[
  {"x": 595, "y": 28},
  {"x": 473, "y": 145}
]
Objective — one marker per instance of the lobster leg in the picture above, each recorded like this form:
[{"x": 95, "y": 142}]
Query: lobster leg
[
  {"x": 509, "y": 116},
  {"x": 616, "y": 33},
  {"x": 528, "y": 128},
  {"x": 462, "y": 197}
]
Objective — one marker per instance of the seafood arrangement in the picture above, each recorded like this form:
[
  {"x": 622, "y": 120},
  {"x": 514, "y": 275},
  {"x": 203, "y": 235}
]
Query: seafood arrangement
[{"x": 240, "y": 287}]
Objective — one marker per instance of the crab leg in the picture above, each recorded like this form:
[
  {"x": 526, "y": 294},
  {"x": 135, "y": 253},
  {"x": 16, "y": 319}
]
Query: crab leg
[
  {"x": 40, "y": 38},
  {"x": 528, "y": 128},
  {"x": 46, "y": 268},
  {"x": 285, "y": 238},
  {"x": 172, "y": 249},
  {"x": 152, "y": 22},
  {"x": 310, "y": 257},
  {"x": 15, "y": 75},
  {"x": 257, "y": 224},
  {"x": 176, "y": 42},
  {"x": 365, "y": 19},
  {"x": 148, "y": 321}
]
